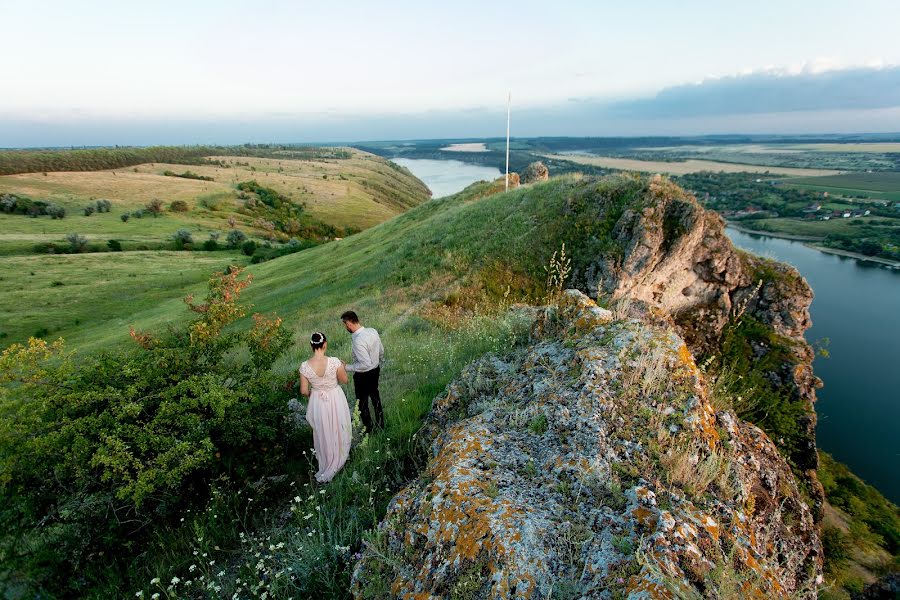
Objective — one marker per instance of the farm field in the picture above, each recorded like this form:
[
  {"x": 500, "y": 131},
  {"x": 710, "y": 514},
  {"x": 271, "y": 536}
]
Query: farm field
[
  {"x": 878, "y": 186},
  {"x": 686, "y": 166}
]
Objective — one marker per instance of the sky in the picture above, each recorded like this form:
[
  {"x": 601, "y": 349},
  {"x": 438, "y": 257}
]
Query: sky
[{"x": 96, "y": 72}]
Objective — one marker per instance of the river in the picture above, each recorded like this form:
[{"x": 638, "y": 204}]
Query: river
[
  {"x": 856, "y": 307},
  {"x": 445, "y": 177}
]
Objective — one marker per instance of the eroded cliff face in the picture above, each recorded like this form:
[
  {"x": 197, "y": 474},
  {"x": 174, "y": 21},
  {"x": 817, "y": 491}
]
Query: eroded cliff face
[
  {"x": 676, "y": 257},
  {"x": 592, "y": 463}
]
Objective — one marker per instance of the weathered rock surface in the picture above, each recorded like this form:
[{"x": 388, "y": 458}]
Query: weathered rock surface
[
  {"x": 677, "y": 258},
  {"x": 535, "y": 172},
  {"x": 592, "y": 463}
]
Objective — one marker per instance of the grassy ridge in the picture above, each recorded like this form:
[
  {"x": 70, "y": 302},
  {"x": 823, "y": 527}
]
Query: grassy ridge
[{"x": 435, "y": 281}]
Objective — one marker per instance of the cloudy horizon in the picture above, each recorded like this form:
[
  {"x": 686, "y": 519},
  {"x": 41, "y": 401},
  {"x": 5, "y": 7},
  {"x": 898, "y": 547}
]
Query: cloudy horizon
[{"x": 180, "y": 73}]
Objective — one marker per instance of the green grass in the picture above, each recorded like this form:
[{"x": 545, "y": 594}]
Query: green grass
[
  {"x": 358, "y": 191},
  {"x": 839, "y": 226},
  {"x": 89, "y": 299},
  {"x": 882, "y": 185}
]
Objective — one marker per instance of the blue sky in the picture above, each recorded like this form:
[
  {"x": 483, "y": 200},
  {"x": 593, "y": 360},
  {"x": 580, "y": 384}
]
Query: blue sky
[{"x": 179, "y": 72}]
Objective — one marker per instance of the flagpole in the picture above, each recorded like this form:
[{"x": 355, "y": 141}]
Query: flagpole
[{"x": 508, "y": 102}]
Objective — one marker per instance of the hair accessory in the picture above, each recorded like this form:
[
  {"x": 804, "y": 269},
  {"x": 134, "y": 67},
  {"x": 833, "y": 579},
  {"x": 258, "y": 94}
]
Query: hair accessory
[{"x": 317, "y": 338}]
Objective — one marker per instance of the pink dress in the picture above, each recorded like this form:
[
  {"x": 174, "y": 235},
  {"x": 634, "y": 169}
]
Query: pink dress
[{"x": 329, "y": 415}]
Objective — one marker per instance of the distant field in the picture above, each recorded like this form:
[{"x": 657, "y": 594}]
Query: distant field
[
  {"x": 686, "y": 166},
  {"x": 361, "y": 191},
  {"x": 866, "y": 147},
  {"x": 817, "y": 229},
  {"x": 88, "y": 298},
  {"x": 470, "y": 147},
  {"x": 881, "y": 185}
]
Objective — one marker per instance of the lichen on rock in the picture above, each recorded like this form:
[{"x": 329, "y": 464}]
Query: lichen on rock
[{"x": 591, "y": 463}]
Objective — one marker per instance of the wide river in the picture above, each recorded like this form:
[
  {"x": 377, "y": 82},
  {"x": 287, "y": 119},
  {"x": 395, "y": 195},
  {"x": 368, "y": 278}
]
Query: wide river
[
  {"x": 856, "y": 307},
  {"x": 445, "y": 177}
]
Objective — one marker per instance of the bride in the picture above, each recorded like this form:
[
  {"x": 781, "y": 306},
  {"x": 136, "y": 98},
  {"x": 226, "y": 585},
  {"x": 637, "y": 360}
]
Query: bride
[{"x": 327, "y": 411}]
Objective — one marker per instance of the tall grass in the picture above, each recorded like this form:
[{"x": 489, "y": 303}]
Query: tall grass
[{"x": 300, "y": 539}]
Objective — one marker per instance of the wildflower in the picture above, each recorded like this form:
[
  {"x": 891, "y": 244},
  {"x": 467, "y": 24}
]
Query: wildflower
[
  {"x": 321, "y": 491},
  {"x": 192, "y": 568},
  {"x": 175, "y": 581},
  {"x": 296, "y": 498},
  {"x": 139, "y": 594},
  {"x": 154, "y": 581},
  {"x": 155, "y": 596}
]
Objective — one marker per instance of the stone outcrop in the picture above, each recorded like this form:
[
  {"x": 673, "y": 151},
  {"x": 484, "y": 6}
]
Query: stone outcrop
[
  {"x": 535, "y": 172},
  {"x": 592, "y": 463},
  {"x": 676, "y": 258}
]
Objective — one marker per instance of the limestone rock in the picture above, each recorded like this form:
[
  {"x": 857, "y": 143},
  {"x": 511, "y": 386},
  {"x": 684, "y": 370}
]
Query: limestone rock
[
  {"x": 677, "y": 259},
  {"x": 536, "y": 171},
  {"x": 591, "y": 463}
]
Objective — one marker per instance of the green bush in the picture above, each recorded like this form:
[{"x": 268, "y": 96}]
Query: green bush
[
  {"x": 124, "y": 217},
  {"x": 235, "y": 238},
  {"x": 248, "y": 247},
  {"x": 182, "y": 238},
  {"x": 97, "y": 452},
  {"x": 178, "y": 206},
  {"x": 114, "y": 245},
  {"x": 210, "y": 245},
  {"x": 77, "y": 242}
]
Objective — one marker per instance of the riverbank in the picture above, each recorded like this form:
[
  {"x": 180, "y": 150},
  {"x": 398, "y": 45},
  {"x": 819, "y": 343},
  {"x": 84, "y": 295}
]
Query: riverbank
[{"x": 808, "y": 242}]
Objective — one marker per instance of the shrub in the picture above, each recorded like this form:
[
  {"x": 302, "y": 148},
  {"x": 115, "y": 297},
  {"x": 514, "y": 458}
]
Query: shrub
[
  {"x": 89, "y": 210},
  {"x": 55, "y": 211},
  {"x": 248, "y": 247},
  {"x": 103, "y": 206},
  {"x": 235, "y": 238},
  {"x": 182, "y": 238},
  {"x": 104, "y": 449},
  {"x": 78, "y": 243},
  {"x": 210, "y": 245},
  {"x": 178, "y": 206},
  {"x": 138, "y": 214},
  {"x": 124, "y": 217},
  {"x": 8, "y": 203},
  {"x": 114, "y": 245},
  {"x": 154, "y": 207}
]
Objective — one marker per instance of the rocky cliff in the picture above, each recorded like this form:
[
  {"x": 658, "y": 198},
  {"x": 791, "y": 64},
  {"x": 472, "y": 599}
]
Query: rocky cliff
[
  {"x": 676, "y": 258},
  {"x": 592, "y": 463}
]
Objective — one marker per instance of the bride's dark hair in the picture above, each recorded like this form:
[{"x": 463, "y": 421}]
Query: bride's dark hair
[{"x": 317, "y": 340}]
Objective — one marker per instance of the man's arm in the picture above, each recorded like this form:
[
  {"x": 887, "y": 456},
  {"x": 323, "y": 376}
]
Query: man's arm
[{"x": 360, "y": 357}]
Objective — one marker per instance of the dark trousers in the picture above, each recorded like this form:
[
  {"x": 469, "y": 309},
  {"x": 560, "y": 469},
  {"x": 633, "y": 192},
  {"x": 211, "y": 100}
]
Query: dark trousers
[{"x": 366, "y": 385}]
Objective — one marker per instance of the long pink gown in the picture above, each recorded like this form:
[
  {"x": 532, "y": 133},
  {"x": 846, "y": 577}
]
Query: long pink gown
[{"x": 329, "y": 415}]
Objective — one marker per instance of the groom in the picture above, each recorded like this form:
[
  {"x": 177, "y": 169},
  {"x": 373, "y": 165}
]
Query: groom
[{"x": 366, "y": 366}]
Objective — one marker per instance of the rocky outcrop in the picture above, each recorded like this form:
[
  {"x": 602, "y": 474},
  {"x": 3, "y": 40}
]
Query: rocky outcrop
[
  {"x": 592, "y": 463},
  {"x": 676, "y": 258},
  {"x": 535, "y": 172}
]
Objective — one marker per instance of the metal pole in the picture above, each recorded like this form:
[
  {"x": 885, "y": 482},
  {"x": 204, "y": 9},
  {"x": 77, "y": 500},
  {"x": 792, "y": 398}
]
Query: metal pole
[{"x": 508, "y": 102}]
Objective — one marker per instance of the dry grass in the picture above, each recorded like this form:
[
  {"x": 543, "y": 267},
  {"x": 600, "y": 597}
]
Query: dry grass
[
  {"x": 337, "y": 191},
  {"x": 686, "y": 468},
  {"x": 684, "y": 167}
]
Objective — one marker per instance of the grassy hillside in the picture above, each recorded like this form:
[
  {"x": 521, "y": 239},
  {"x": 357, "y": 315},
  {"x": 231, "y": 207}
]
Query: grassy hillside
[
  {"x": 354, "y": 190},
  {"x": 437, "y": 282},
  {"x": 284, "y": 201}
]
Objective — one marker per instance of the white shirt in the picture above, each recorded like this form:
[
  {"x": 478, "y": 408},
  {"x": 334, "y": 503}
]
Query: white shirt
[{"x": 367, "y": 350}]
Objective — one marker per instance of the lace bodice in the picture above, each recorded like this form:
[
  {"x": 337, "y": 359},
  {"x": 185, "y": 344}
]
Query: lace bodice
[{"x": 328, "y": 381}]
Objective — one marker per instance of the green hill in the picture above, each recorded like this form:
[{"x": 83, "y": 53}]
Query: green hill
[{"x": 438, "y": 282}]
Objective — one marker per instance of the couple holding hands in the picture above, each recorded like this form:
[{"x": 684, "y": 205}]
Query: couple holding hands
[{"x": 328, "y": 412}]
